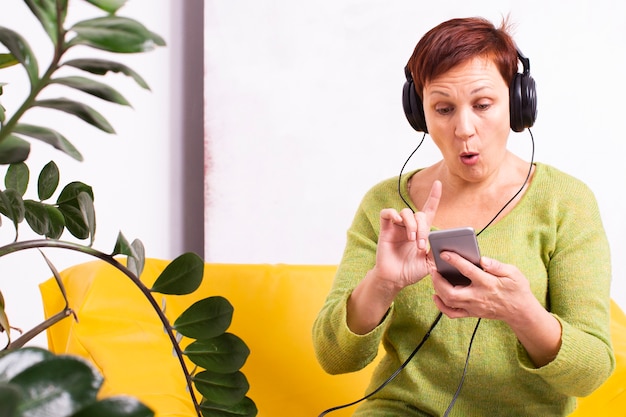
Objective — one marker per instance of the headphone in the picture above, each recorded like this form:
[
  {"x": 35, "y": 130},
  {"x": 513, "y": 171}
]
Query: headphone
[{"x": 522, "y": 100}]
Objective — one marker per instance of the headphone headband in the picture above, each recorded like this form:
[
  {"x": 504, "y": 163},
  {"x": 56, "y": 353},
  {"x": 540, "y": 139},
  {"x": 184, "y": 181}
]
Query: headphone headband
[{"x": 522, "y": 100}]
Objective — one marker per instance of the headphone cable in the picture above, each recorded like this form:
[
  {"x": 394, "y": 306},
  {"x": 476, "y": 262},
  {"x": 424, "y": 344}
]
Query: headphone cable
[{"x": 436, "y": 321}]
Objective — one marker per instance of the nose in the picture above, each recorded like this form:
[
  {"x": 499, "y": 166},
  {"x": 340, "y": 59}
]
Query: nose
[{"x": 464, "y": 124}]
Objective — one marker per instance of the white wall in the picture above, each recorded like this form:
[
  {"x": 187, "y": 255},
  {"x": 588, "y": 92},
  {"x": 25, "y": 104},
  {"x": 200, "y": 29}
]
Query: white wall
[
  {"x": 303, "y": 113},
  {"x": 134, "y": 173}
]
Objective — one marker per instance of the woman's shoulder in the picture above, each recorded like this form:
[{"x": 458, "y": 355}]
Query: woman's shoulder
[{"x": 549, "y": 176}]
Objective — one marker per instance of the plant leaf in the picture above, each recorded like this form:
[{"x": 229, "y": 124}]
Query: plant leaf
[
  {"x": 115, "y": 34},
  {"x": 226, "y": 389},
  {"x": 10, "y": 397},
  {"x": 36, "y": 216},
  {"x": 102, "y": 66},
  {"x": 13, "y": 150},
  {"x": 74, "y": 221},
  {"x": 122, "y": 247},
  {"x": 137, "y": 262},
  {"x": 58, "y": 386},
  {"x": 19, "y": 48},
  {"x": 70, "y": 193},
  {"x": 115, "y": 406},
  {"x": 17, "y": 177},
  {"x": 46, "y": 12},
  {"x": 4, "y": 320},
  {"x": 85, "y": 202},
  {"x": 7, "y": 60},
  {"x": 14, "y": 362},
  {"x": 12, "y": 205},
  {"x": 49, "y": 136},
  {"x": 206, "y": 318},
  {"x": 56, "y": 222},
  {"x": 223, "y": 354},
  {"x": 110, "y": 6},
  {"x": 244, "y": 408},
  {"x": 92, "y": 87},
  {"x": 48, "y": 181},
  {"x": 80, "y": 110},
  {"x": 181, "y": 276},
  {"x": 70, "y": 207}
]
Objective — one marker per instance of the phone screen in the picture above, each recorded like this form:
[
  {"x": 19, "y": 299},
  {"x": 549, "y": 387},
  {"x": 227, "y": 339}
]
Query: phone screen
[{"x": 460, "y": 240}]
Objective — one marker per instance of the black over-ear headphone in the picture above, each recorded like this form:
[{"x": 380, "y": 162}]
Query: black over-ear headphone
[{"x": 522, "y": 100}]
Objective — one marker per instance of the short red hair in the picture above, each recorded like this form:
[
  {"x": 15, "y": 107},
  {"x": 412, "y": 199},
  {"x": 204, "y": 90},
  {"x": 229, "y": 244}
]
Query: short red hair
[{"x": 458, "y": 40}]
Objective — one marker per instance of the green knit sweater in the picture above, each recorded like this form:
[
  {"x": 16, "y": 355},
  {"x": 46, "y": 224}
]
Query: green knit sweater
[{"x": 554, "y": 235}]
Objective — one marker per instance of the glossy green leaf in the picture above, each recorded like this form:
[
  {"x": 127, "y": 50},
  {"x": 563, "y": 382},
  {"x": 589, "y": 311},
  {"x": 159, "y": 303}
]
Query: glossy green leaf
[
  {"x": 219, "y": 388},
  {"x": 36, "y": 216},
  {"x": 7, "y": 60},
  {"x": 102, "y": 67},
  {"x": 46, "y": 13},
  {"x": 244, "y": 408},
  {"x": 13, "y": 150},
  {"x": 181, "y": 276},
  {"x": 71, "y": 191},
  {"x": 14, "y": 362},
  {"x": 58, "y": 386},
  {"x": 115, "y": 406},
  {"x": 10, "y": 397},
  {"x": 115, "y": 34},
  {"x": 110, "y": 6},
  {"x": 12, "y": 205},
  {"x": 49, "y": 136},
  {"x": 48, "y": 181},
  {"x": 95, "y": 88},
  {"x": 122, "y": 247},
  {"x": 20, "y": 49},
  {"x": 88, "y": 211},
  {"x": 56, "y": 222},
  {"x": 80, "y": 110},
  {"x": 74, "y": 221},
  {"x": 205, "y": 318},
  {"x": 17, "y": 177},
  {"x": 224, "y": 354}
]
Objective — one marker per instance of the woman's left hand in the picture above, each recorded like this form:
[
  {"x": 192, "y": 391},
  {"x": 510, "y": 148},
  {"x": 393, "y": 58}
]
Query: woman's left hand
[
  {"x": 501, "y": 292},
  {"x": 498, "y": 291}
]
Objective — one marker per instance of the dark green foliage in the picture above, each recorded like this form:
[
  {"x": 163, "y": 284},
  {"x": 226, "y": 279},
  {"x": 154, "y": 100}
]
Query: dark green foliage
[{"x": 71, "y": 385}]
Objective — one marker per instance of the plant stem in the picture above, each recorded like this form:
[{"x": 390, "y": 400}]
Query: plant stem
[{"x": 44, "y": 243}]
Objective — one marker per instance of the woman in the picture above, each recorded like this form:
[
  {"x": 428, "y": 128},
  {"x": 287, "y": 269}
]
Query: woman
[{"x": 539, "y": 302}]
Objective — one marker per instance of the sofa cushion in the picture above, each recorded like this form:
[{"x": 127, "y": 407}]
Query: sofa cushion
[{"x": 275, "y": 306}]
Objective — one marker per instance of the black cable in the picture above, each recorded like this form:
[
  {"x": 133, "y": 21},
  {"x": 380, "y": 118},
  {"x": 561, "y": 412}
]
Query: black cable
[
  {"x": 436, "y": 321},
  {"x": 394, "y": 375}
]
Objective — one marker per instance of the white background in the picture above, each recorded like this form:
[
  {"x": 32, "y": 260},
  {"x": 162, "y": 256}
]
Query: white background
[{"x": 304, "y": 113}]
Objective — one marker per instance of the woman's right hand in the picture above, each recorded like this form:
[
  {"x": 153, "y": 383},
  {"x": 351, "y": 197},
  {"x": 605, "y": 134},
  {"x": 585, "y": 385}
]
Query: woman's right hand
[
  {"x": 401, "y": 254},
  {"x": 401, "y": 260}
]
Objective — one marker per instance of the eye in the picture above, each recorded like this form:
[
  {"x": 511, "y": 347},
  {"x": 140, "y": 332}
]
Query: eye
[
  {"x": 443, "y": 110},
  {"x": 482, "y": 106}
]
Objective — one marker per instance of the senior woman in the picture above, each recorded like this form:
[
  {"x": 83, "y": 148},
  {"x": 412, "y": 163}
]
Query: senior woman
[{"x": 530, "y": 333}]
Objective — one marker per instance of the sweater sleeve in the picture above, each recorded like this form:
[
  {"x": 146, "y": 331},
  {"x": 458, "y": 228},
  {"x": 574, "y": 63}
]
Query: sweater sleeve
[
  {"x": 339, "y": 350},
  {"x": 579, "y": 272}
]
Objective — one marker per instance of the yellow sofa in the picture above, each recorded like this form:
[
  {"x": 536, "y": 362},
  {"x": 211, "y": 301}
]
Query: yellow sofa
[{"x": 275, "y": 306}]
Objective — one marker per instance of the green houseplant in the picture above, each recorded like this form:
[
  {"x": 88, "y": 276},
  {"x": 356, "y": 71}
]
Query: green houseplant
[{"x": 26, "y": 374}]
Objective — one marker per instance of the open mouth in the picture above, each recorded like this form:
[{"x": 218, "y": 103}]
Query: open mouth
[{"x": 469, "y": 157}]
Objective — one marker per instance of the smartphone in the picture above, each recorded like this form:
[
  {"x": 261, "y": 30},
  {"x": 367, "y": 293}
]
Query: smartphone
[{"x": 461, "y": 240}]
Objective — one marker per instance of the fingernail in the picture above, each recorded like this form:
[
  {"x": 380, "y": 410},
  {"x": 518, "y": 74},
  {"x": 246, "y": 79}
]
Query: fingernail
[{"x": 413, "y": 235}]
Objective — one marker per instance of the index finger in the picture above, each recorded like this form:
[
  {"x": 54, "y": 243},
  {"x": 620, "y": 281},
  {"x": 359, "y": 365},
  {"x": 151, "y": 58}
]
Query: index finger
[{"x": 432, "y": 203}]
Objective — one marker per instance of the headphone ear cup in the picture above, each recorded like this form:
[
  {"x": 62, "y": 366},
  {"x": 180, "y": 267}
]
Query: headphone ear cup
[
  {"x": 523, "y": 102},
  {"x": 413, "y": 107}
]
